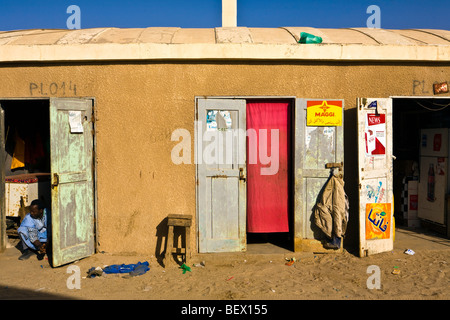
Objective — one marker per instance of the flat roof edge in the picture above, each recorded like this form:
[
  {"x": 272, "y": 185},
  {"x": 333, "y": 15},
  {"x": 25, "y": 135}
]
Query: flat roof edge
[{"x": 286, "y": 52}]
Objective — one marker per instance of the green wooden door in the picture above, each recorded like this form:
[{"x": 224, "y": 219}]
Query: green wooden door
[{"x": 72, "y": 210}]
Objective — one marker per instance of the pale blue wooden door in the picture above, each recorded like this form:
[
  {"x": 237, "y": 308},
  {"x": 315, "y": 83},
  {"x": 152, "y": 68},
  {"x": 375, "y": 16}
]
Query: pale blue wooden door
[
  {"x": 221, "y": 175},
  {"x": 71, "y": 153}
]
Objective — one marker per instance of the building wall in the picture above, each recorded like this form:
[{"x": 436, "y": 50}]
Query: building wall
[{"x": 139, "y": 105}]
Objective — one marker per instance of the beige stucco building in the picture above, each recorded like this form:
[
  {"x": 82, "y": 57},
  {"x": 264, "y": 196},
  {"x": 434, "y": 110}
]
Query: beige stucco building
[{"x": 145, "y": 84}]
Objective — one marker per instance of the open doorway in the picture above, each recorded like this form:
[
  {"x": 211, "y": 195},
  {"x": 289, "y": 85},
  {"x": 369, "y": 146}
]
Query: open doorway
[
  {"x": 26, "y": 158},
  {"x": 48, "y": 151},
  {"x": 269, "y": 192},
  {"x": 421, "y": 147}
]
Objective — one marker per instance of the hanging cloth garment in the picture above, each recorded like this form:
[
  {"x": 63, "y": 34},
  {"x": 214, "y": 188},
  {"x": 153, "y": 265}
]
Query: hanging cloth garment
[
  {"x": 331, "y": 210},
  {"x": 267, "y": 183},
  {"x": 18, "y": 159}
]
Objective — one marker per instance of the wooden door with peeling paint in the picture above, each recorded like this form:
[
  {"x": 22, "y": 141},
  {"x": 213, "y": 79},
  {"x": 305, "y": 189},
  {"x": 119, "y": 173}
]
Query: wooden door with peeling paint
[
  {"x": 376, "y": 211},
  {"x": 318, "y": 143},
  {"x": 72, "y": 210},
  {"x": 221, "y": 175},
  {"x": 3, "y": 236}
]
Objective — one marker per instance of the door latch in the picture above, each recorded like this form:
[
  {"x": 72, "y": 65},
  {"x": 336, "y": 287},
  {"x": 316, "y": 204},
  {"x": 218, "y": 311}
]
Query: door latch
[
  {"x": 334, "y": 165},
  {"x": 55, "y": 181},
  {"x": 242, "y": 175}
]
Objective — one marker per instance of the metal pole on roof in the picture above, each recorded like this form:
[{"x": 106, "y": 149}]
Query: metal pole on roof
[{"x": 229, "y": 13}]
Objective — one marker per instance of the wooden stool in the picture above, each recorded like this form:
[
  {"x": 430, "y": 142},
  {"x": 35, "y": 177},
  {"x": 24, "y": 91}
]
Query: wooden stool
[{"x": 178, "y": 220}]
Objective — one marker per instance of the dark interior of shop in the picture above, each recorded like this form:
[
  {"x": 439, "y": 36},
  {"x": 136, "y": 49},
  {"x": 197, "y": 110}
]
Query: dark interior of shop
[
  {"x": 26, "y": 158},
  {"x": 410, "y": 116}
]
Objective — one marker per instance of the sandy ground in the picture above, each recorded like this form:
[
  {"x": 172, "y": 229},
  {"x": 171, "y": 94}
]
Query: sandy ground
[{"x": 245, "y": 276}]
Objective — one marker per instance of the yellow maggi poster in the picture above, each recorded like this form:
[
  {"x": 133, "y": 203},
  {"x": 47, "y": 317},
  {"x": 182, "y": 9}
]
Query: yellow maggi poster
[
  {"x": 324, "y": 113},
  {"x": 378, "y": 221}
]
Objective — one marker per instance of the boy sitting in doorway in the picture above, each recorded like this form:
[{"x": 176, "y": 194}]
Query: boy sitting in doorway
[{"x": 33, "y": 231}]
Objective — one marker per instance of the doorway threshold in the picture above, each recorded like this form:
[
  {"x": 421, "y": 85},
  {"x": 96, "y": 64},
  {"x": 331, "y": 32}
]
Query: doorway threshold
[{"x": 266, "y": 248}]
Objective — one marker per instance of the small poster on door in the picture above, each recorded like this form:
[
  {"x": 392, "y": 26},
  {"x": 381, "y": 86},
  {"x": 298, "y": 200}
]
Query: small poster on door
[
  {"x": 378, "y": 221},
  {"x": 375, "y": 134},
  {"x": 218, "y": 120},
  {"x": 76, "y": 125},
  {"x": 324, "y": 113}
]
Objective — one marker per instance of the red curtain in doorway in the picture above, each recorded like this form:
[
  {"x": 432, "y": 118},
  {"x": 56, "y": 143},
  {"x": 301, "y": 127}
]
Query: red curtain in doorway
[{"x": 267, "y": 194}]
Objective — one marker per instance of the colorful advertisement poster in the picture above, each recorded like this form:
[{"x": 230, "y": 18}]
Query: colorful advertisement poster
[
  {"x": 375, "y": 134},
  {"x": 378, "y": 221},
  {"x": 324, "y": 113}
]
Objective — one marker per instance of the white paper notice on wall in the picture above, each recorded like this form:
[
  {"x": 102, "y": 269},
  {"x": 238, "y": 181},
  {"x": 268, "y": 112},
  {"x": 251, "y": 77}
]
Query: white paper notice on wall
[{"x": 76, "y": 126}]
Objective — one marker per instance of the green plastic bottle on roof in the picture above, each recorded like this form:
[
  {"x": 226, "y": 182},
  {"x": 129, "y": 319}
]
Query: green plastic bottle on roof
[{"x": 309, "y": 38}]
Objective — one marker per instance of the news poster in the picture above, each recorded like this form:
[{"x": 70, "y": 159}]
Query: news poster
[{"x": 375, "y": 134}]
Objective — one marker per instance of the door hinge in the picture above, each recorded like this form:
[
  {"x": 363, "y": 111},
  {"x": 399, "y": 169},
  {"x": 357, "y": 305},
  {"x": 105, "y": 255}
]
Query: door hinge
[
  {"x": 242, "y": 175},
  {"x": 55, "y": 181}
]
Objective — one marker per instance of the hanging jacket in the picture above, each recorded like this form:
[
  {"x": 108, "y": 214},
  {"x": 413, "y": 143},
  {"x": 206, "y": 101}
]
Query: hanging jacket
[{"x": 331, "y": 209}]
